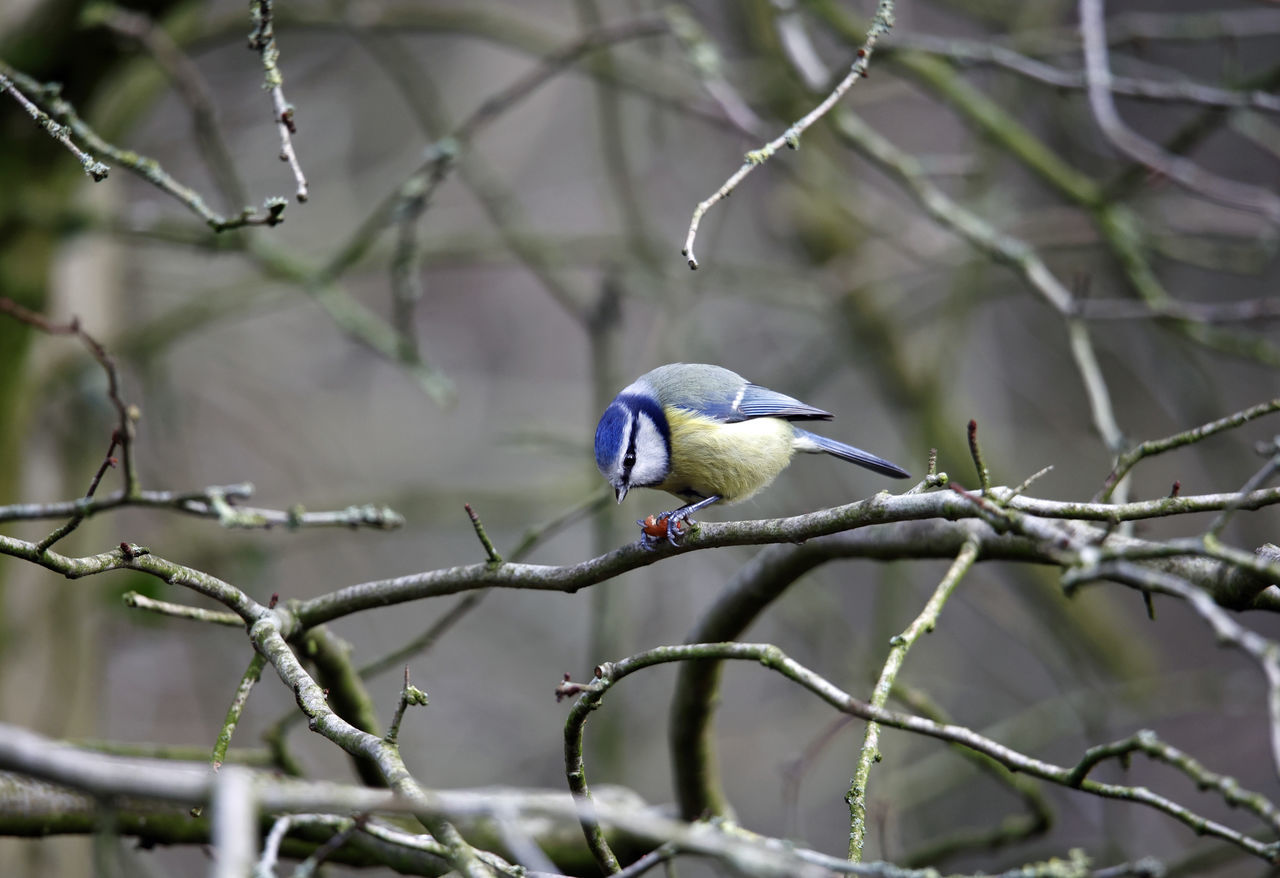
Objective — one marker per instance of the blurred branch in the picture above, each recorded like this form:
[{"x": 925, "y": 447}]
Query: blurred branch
[
  {"x": 653, "y": 80},
  {"x": 1015, "y": 828},
  {"x": 961, "y": 51},
  {"x": 1181, "y": 170},
  {"x": 354, "y": 319},
  {"x": 1247, "y": 311},
  {"x": 454, "y": 142},
  {"x": 233, "y": 822},
  {"x": 880, "y": 25},
  {"x": 407, "y": 204},
  {"x": 48, "y": 810},
  {"x": 345, "y": 691},
  {"x": 1265, "y": 652},
  {"x": 1145, "y": 27},
  {"x": 1001, "y": 247},
  {"x": 190, "y": 84},
  {"x": 1121, "y": 229},
  {"x": 704, "y": 56},
  {"x": 440, "y": 156},
  {"x": 406, "y": 278},
  {"x": 627, "y": 817}
]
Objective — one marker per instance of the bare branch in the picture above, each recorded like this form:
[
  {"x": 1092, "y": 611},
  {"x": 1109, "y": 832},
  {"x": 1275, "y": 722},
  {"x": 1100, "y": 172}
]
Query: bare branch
[
  {"x": 263, "y": 40},
  {"x": 96, "y": 170},
  {"x": 898, "y": 648},
  {"x": 880, "y": 24},
  {"x": 48, "y": 99},
  {"x": 609, "y": 674}
]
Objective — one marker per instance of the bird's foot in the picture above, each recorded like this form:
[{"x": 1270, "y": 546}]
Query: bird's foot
[{"x": 672, "y": 525}]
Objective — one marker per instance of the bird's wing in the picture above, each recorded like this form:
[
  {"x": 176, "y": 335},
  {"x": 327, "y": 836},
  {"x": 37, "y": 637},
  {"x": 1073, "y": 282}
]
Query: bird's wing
[{"x": 754, "y": 401}]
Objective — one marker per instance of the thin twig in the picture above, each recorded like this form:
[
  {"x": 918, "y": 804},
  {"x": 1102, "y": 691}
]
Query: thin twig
[
  {"x": 409, "y": 694},
  {"x": 181, "y": 611},
  {"x": 531, "y": 540},
  {"x": 263, "y": 40},
  {"x": 589, "y": 698},
  {"x": 216, "y": 502},
  {"x": 126, "y": 414},
  {"x": 1131, "y": 458},
  {"x": 96, "y": 170},
  {"x": 1146, "y": 741},
  {"x": 880, "y": 25},
  {"x": 490, "y": 552},
  {"x": 975, "y": 451},
  {"x": 427, "y": 639},
  {"x": 48, "y": 98}
]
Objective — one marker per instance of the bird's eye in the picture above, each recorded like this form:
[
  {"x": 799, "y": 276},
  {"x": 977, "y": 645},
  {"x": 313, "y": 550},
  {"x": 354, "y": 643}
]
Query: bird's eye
[{"x": 629, "y": 459}]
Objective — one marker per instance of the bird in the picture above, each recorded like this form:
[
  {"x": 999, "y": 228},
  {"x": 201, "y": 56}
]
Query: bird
[{"x": 707, "y": 435}]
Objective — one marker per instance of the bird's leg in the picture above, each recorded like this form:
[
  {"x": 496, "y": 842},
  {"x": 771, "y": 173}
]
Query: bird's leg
[
  {"x": 672, "y": 520},
  {"x": 682, "y": 514}
]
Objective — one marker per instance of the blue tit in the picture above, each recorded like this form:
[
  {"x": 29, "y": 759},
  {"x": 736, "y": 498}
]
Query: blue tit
[{"x": 705, "y": 434}]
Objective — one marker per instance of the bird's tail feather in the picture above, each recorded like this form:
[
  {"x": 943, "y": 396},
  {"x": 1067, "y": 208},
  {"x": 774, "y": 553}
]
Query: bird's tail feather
[{"x": 812, "y": 443}]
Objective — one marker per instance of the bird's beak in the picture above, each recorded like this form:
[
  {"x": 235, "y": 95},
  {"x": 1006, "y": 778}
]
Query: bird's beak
[{"x": 620, "y": 492}]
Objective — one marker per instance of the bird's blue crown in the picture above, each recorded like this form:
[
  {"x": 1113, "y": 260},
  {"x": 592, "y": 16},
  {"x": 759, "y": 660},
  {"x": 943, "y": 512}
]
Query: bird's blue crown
[{"x": 619, "y": 425}]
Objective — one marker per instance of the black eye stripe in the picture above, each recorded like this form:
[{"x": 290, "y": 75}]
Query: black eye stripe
[{"x": 629, "y": 459}]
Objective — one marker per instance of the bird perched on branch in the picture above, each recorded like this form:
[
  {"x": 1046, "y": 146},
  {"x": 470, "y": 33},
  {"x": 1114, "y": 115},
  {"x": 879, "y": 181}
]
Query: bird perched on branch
[{"x": 704, "y": 434}]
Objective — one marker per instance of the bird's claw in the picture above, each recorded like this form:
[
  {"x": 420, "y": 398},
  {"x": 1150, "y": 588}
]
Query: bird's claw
[{"x": 671, "y": 525}]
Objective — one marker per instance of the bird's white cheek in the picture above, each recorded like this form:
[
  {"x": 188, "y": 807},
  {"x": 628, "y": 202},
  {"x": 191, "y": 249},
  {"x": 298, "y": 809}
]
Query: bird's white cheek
[{"x": 652, "y": 463}]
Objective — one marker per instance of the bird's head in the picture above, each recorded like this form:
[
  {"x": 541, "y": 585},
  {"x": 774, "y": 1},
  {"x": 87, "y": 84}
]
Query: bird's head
[{"x": 633, "y": 441}]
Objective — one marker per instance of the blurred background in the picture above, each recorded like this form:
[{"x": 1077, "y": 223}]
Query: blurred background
[{"x": 375, "y": 349}]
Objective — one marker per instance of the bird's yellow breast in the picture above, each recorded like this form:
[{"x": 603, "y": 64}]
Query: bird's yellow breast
[{"x": 709, "y": 457}]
